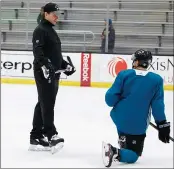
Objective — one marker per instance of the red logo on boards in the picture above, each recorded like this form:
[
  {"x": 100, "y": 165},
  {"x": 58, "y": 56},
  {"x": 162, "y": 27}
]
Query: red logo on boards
[{"x": 116, "y": 65}]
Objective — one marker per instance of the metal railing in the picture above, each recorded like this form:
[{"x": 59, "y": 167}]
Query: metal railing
[{"x": 83, "y": 33}]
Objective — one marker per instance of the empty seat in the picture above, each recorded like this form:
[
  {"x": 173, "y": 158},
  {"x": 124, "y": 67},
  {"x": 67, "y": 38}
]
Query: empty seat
[{"x": 137, "y": 24}]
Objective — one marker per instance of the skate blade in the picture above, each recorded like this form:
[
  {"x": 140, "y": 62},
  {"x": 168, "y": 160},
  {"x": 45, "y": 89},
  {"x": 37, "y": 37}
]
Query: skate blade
[
  {"x": 56, "y": 148},
  {"x": 38, "y": 148},
  {"x": 105, "y": 149}
]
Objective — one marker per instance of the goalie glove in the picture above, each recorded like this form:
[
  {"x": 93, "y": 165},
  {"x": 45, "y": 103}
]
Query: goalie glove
[{"x": 163, "y": 131}]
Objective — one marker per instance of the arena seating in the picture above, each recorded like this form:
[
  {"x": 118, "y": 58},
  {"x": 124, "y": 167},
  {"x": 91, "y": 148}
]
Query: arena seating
[{"x": 138, "y": 24}]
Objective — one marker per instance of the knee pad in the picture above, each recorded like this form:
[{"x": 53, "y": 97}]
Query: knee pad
[{"x": 132, "y": 142}]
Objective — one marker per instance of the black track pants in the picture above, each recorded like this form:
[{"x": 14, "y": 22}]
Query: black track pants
[{"x": 43, "y": 119}]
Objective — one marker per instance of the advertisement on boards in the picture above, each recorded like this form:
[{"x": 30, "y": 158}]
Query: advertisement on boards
[
  {"x": 110, "y": 65},
  {"x": 19, "y": 64},
  {"x": 85, "y": 79},
  {"x": 90, "y": 68},
  {"x": 163, "y": 66},
  {"x": 16, "y": 65}
]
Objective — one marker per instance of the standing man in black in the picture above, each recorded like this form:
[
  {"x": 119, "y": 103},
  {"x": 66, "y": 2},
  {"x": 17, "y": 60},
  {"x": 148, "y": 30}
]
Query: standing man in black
[{"x": 47, "y": 60}]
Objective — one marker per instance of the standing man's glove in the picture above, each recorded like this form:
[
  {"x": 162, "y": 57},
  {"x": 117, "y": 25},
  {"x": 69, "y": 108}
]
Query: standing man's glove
[
  {"x": 70, "y": 69},
  {"x": 48, "y": 71},
  {"x": 163, "y": 131}
]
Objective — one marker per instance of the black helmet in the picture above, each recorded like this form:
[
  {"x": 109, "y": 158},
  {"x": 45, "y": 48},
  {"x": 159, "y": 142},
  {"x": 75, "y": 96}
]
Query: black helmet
[{"x": 144, "y": 57}]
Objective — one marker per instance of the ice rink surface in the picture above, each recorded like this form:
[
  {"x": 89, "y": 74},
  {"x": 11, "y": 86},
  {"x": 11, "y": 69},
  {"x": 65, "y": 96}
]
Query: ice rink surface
[{"x": 83, "y": 119}]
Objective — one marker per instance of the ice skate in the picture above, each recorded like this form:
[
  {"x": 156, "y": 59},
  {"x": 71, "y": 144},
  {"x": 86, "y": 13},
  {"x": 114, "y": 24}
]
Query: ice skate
[
  {"x": 40, "y": 144},
  {"x": 56, "y": 143},
  {"x": 109, "y": 154}
]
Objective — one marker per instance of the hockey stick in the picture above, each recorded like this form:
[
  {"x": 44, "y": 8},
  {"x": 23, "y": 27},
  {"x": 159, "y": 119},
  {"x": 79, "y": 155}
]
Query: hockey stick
[
  {"x": 61, "y": 71},
  {"x": 69, "y": 60},
  {"x": 153, "y": 125}
]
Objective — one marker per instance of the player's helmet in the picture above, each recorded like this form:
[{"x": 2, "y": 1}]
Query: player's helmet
[{"x": 144, "y": 57}]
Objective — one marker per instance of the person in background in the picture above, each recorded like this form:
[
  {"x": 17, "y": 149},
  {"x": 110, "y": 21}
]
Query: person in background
[{"x": 111, "y": 38}]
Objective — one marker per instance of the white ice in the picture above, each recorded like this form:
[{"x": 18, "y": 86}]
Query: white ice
[{"x": 82, "y": 118}]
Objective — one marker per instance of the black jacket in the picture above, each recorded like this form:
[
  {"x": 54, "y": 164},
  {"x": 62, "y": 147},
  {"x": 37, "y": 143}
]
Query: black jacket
[{"x": 47, "y": 45}]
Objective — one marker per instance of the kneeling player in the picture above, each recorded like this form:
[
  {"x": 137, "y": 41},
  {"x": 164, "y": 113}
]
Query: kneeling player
[{"x": 132, "y": 95}]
